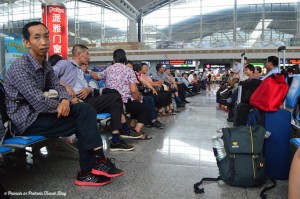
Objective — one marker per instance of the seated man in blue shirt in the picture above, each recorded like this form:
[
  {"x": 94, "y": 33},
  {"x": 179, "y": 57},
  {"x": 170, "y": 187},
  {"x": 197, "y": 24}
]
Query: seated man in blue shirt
[
  {"x": 70, "y": 74},
  {"x": 33, "y": 114},
  {"x": 161, "y": 75}
]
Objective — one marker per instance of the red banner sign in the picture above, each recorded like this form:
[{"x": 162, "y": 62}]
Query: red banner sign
[{"x": 55, "y": 18}]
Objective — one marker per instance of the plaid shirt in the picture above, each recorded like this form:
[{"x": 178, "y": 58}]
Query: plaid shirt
[{"x": 24, "y": 85}]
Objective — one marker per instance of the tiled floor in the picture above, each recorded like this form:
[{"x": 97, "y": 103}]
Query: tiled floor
[{"x": 165, "y": 167}]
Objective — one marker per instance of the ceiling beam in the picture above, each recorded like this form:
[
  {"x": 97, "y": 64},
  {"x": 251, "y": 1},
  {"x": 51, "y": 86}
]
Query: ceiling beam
[{"x": 125, "y": 8}]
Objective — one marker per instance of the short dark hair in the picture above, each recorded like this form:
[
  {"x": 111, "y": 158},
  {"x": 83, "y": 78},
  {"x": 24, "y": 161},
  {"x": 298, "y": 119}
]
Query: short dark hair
[
  {"x": 273, "y": 60},
  {"x": 78, "y": 47},
  {"x": 129, "y": 62},
  {"x": 143, "y": 63},
  {"x": 25, "y": 31},
  {"x": 167, "y": 68},
  {"x": 290, "y": 70},
  {"x": 250, "y": 67},
  {"x": 184, "y": 74},
  {"x": 119, "y": 56},
  {"x": 258, "y": 68},
  {"x": 53, "y": 59},
  {"x": 158, "y": 66},
  {"x": 137, "y": 67}
]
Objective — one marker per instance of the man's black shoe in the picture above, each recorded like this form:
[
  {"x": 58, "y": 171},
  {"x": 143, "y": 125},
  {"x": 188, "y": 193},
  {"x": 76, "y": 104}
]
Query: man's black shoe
[
  {"x": 156, "y": 124},
  {"x": 121, "y": 146},
  {"x": 89, "y": 179},
  {"x": 106, "y": 168},
  {"x": 230, "y": 119},
  {"x": 180, "y": 105}
]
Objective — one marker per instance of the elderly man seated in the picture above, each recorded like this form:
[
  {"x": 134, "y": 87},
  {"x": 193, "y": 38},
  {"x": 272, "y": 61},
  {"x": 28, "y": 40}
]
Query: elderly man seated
[{"x": 70, "y": 74}]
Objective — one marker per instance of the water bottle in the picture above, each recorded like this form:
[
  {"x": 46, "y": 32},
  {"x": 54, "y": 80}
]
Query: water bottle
[
  {"x": 218, "y": 148},
  {"x": 174, "y": 104}
]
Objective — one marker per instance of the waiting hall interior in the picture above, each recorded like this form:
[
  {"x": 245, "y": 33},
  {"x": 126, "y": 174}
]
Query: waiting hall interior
[{"x": 141, "y": 99}]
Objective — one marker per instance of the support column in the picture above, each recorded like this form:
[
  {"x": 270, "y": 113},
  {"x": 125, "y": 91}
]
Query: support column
[
  {"x": 132, "y": 31},
  {"x": 201, "y": 22},
  {"x": 10, "y": 17},
  {"x": 298, "y": 21},
  {"x": 76, "y": 22},
  {"x": 2, "y": 58},
  {"x": 30, "y": 10},
  {"x": 139, "y": 21},
  {"x": 234, "y": 23},
  {"x": 102, "y": 31},
  {"x": 263, "y": 23},
  {"x": 170, "y": 22},
  {"x": 198, "y": 63}
]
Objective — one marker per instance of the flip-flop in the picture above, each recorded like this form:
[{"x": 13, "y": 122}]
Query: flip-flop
[
  {"x": 146, "y": 137},
  {"x": 161, "y": 114},
  {"x": 171, "y": 112}
]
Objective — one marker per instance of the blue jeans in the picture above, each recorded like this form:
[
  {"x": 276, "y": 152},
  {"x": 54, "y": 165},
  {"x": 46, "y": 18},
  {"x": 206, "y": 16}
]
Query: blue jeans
[{"x": 150, "y": 102}]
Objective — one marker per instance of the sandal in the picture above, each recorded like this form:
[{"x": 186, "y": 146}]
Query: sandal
[
  {"x": 161, "y": 114},
  {"x": 145, "y": 137},
  {"x": 171, "y": 112}
]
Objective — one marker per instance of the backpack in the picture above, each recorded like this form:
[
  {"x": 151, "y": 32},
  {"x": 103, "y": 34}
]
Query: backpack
[
  {"x": 269, "y": 96},
  {"x": 243, "y": 164}
]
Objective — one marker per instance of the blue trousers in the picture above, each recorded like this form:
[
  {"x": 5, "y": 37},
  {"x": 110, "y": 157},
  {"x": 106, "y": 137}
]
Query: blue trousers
[{"x": 150, "y": 102}]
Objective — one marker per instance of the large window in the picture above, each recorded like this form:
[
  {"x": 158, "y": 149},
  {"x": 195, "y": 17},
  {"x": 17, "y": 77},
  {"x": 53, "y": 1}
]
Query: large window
[
  {"x": 217, "y": 24},
  {"x": 96, "y": 24},
  {"x": 180, "y": 24}
]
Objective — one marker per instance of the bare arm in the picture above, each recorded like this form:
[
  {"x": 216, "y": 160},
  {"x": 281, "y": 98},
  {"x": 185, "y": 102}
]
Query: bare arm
[
  {"x": 158, "y": 83},
  {"x": 94, "y": 75},
  {"x": 172, "y": 80},
  {"x": 135, "y": 92},
  {"x": 69, "y": 89},
  {"x": 145, "y": 82}
]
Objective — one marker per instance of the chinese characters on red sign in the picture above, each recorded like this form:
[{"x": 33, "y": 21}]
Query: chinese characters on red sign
[{"x": 55, "y": 18}]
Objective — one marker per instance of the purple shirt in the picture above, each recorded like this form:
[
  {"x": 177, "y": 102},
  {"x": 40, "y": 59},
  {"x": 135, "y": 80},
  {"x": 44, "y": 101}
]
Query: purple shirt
[{"x": 24, "y": 85}]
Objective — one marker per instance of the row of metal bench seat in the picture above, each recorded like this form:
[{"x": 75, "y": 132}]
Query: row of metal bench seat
[{"x": 10, "y": 144}]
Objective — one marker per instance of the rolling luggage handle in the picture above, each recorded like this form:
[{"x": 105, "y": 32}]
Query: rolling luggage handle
[
  {"x": 241, "y": 74},
  {"x": 282, "y": 49}
]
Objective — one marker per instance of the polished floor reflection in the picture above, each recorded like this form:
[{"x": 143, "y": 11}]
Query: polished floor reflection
[{"x": 165, "y": 167}]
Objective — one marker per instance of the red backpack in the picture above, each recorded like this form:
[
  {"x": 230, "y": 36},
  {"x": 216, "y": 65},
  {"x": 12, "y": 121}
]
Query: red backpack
[{"x": 271, "y": 93}]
